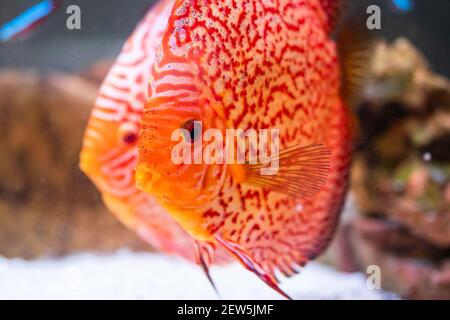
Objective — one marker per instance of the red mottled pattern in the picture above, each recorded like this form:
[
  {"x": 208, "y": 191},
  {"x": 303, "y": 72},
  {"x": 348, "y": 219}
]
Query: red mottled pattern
[
  {"x": 333, "y": 10},
  {"x": 256, "y": 64}
]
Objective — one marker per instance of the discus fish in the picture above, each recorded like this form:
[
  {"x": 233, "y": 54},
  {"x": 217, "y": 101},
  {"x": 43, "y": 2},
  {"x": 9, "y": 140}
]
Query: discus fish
[
  {"x": 109, "y": 152},
  {"x": 237, "y": 64}
]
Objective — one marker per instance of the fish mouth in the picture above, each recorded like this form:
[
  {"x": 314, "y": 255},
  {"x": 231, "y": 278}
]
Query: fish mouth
[
  {"x": 148, "y": 181},
  {"x": 87, "y": 164},
  {"x": 90, "y": 169},
  {"x": 90, "y": 165}
]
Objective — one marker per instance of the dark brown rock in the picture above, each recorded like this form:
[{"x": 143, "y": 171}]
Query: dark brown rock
[
  {"x": 407, "y": 267},
  {"x": 401, "y": 177}
]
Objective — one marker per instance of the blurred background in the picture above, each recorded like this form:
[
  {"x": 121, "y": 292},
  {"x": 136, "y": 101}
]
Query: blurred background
[{"x": 398, "y": 213}]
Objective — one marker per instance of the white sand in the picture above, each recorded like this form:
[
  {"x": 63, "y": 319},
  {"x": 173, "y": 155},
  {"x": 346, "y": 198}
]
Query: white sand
[{"x": 127, "y": 275}]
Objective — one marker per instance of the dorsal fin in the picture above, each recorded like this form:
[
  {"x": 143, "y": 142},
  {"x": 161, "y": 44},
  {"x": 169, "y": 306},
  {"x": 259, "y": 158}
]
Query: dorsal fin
[
  {"x": 356, "y": 47},
  {"x": 333, "y": 10}
]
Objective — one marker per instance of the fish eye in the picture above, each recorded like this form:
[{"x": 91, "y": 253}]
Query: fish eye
[
  {"x": 194, "y": 130},
  {"x": 128, "y": 133}
]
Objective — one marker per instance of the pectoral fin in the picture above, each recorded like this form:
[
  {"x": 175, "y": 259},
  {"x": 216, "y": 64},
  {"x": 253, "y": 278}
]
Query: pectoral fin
[{"x": 302, "y": 171}]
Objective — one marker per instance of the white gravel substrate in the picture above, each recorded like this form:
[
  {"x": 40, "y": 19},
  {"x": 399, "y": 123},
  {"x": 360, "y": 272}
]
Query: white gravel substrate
[{"x": 128, "y": 275}]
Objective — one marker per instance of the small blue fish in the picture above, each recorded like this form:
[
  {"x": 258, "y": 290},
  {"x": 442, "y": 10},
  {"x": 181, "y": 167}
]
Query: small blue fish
[
  {"x": 28, "y": 19},
  {"x": 403, "y": 5}
]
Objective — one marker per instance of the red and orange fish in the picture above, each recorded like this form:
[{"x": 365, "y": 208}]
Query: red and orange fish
[
  {"x": 109, "y": 153},
  {"x": 227, "y": 64}
]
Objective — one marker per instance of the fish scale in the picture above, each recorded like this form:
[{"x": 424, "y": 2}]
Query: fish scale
[{"x": 249, "y": 64}]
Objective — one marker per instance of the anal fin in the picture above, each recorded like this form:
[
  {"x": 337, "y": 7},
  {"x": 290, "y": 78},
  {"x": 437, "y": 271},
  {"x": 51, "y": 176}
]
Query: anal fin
[
  {"x": 204, "y": 253},
  {"x": 246, "y": 260}
]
